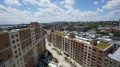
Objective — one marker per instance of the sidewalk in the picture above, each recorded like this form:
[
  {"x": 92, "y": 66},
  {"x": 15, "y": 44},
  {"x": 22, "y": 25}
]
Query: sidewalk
[{"x": 60, "y": 58}]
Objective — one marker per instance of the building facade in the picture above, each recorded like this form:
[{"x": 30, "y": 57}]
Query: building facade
[
  {"x": 87, "y": 52},
  {"x": 22, "y": 47}
]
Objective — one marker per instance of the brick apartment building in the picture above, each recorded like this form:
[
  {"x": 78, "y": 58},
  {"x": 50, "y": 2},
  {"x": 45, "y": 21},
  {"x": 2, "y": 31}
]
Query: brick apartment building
[
  {"x": 22, "y": 47},
  {"x": 87, "y": 52}
]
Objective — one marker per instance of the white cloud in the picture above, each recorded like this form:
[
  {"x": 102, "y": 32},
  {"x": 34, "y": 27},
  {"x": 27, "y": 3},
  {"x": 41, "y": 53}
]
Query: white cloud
[
  {"x": 27, "y": 2},
  {"x": 96, "y": 2},
  {"x": 2, "y": 7},
  {"x": 48, "y": 11},
  {"x": 12, "y": 2},
  {"x": 112, "y": 4},
  {"x": 40, "y": 3},
  {"x": 12, "y": 15},
  {"x": 68, "y": 4},
  {"x": 99, "y": 10},
  {"x": 114, "y": 14},
  {"x": 2, "y": 10}
]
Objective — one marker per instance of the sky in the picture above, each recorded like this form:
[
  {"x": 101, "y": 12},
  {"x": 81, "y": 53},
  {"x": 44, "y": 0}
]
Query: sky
[{"x": 44, "y": 11}]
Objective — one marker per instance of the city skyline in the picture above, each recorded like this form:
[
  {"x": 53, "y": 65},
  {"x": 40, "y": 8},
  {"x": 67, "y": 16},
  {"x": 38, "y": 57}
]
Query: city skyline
[{"x": 25, "y": 11}]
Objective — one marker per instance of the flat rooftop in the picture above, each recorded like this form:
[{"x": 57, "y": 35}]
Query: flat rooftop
[
  {"x": 102, "y": 45},
  {"x": 60, "y": 33},
  {"x": 115, "y": 55}
]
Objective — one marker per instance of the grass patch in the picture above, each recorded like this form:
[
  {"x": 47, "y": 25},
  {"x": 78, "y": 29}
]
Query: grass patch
[
  {"x": 102, "y": 45},
  {"x": 60, "y": 33}
]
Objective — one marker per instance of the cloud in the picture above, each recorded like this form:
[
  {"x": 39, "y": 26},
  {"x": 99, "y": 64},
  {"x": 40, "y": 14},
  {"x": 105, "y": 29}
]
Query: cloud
[
  {"x": 28, "y": 2},
  {"x": 2, "y": 8},
  {"x": 112, "y": 4},
  {"x": 13, "y": 15},
  {"x": 68, "y": 4},
  {"x": 99, "y": 10},
  {"x": 114, "y": 14},
  {"x": 96, "y": 2},
  {"x": 48, "y": 11},
  {"x": 40, "y": 3},
  {"x": 16, "y": 2}
]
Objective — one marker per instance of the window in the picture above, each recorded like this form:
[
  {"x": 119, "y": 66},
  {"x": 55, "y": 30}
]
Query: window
[
  {"x": 16, "y": 56},
  {"x": 15, "y": 51},
  {"x": 100, "y": 51},
  {"x": 17, "y": 40},
  {"x": 14, "y": 46},
  {"x": 93, "y": 59},
  {"x": 12, "y": 36},
  {"x": 9, "y": 55},
  {"x": 6, "y": 44},
  {"x": 18, "y": 45},
  {"x": 99, "y": 59},
  {"x": 1, "y": 59},
  {"x": 89, "y": 47},
  {"x": 20, "y": 58},
  {"x": 106, "y": 60},
  {"x": 19, "y": 49},
  {"x": 94, "y": 49},
  {"x": 13, "y": 41},
  {"x": 16, "y": 35},
  {"x": 19, "y": 53},
  {"x": 24, "y": 50}
]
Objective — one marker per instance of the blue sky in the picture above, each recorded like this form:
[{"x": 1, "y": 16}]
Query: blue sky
[{"x": 25, "y": 11}]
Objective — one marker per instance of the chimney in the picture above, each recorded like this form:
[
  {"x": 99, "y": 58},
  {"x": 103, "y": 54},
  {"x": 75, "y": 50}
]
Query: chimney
[{"x": 71, "y": 35}]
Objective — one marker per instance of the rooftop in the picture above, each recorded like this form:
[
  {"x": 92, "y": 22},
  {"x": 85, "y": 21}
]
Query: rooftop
[
  {"x": 102, "y": 45},
  {"x": 60, "y": 33},
  {"x": 115, "y": 55}
]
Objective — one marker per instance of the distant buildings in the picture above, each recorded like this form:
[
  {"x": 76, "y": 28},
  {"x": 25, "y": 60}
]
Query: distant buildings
[
  {"x": 12, "y": 26},
  {"x": 86, "y": 51},
  {"x": 119, "y": 25},
  {"x": 22, "y": 47}
]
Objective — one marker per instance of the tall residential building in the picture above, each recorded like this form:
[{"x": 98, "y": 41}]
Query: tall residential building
[
  {"x": 22, "y": 47},
  {"x": 87, "y": 52}
]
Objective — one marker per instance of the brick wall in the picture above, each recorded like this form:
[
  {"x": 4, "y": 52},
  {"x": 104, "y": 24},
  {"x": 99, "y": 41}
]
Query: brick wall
[
  {"x": 26, "y": 43},
  {"x": 5, "y": 55},
  {"x": 4, "y": 41},
  {"x": 24, "y": 34}
]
